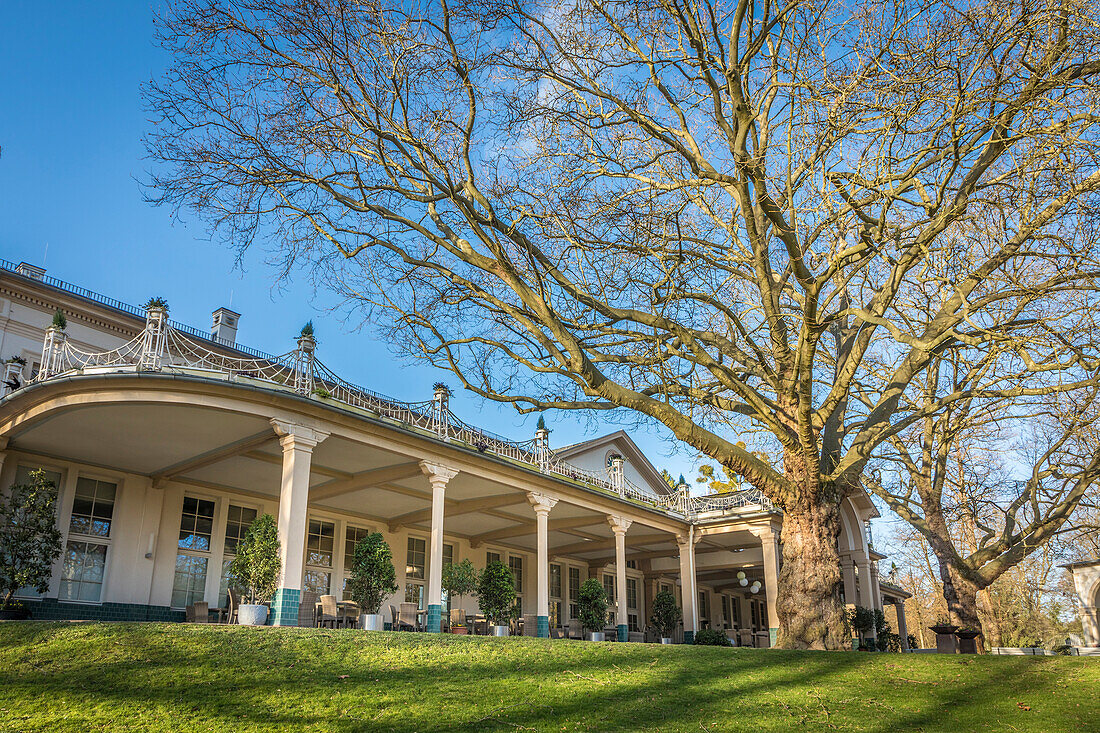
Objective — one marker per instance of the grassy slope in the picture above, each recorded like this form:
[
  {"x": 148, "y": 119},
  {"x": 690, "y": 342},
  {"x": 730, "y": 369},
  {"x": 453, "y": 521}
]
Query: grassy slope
[{"x": 173, "y": 677}]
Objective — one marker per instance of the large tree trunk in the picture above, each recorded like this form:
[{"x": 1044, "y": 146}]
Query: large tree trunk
[
  {"x": 991, "y": 623},
  {"x": 961, "y": 595},
  {"x": 810, "y": 613}
]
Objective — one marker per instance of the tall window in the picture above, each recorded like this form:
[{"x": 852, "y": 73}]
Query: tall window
[
  {"x": 704, "y": 607},
  {"x": 193, "y": 558},
  {"x": 415, "y": 566},
  {"x": 82, "y": 571},
  {"x": 515, "y": 564},
  {"x": 755, "y": 614},
  {"x": 236, "y": 524},
  {"x": 85, "y": 562},
  {"x": 352, "y": 535},
  {"x": 491, "y": 557},
  {"x": 726, "y": 621},
  {"x": 574, "y": 591},
  {"x": 609, "y": 591},
  {"x": 93, "y": 508},
  {"x": 320, "y": 546},
  {"x": 735, "y": 601},
  {"x": 632, "y": 604},
  {"x": 448, "y": 559}
]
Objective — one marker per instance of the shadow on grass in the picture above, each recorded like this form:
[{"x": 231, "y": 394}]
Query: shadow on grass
[{"x": 199, "y": 678}]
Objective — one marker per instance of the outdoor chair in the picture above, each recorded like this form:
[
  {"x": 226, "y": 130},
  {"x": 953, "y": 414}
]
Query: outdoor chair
[
  {"x": 351, "y": 613},
  {"x": 480, "y": 624},
  {"x": 457, "y": 618},
  {"x": 197, "y": 613},
  {"x": 307, "y": 609},
  {"x": 557, "y": 633},
  {"x": 330, "y": 612},
  {"x": 530, "y": 625},
  {"x": 576, "y": 630},
  {"x": 228, "y": 615},
  {"x": 408, "y": 620},
  {"x": 636, "y": 636}
]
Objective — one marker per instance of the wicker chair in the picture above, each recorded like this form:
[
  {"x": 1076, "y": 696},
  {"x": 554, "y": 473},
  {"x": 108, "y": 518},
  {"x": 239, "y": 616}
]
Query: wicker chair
[
  {"x": 197, "y": 613},
  {"x": 407, "y": 619},
  {"x": 395, "y": 618},
  {"x": 576, "y": 629},
  {"x": 530, "y": 625},
  {"x": 307, "y": 609},
  {"x": 457, "y": 618},
  {"x": 330, "y": 612}
]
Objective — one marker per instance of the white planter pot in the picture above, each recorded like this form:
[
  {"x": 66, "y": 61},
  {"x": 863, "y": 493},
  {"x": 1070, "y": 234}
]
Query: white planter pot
[
  {"x": 252, "y": 614},
  {"x": 500, "y": 631},
  {"x": 371, "y": 621},
  {"x": 595, "y": 636},
  {"x": 666, "y": 639}
]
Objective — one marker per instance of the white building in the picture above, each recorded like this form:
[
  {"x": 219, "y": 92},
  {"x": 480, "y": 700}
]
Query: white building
[{"x": 166, "y": 441}]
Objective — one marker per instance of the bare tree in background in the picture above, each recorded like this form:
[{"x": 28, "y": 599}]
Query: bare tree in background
[
  {"x": 708, "y": 213},
  {"x": 958, "y": 481}
]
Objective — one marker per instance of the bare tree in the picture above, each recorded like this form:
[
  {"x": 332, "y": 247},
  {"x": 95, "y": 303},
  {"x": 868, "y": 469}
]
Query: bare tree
[
  {"x": 706, "y": 213},
  {"x": 959, "y": 484}
]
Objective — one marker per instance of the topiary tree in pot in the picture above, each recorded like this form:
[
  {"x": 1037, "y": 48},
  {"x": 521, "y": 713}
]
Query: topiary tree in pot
[
  {"x": 666, "y": 614},
  {"x": 459, "y": 579},
  {"x": 862, "y": 620},
  {"x": 592, "y": 607},
  {"x": 256, "y": 568},
  {"x": 373, "y": 578},
  {"x": 29, "y": 541},
  {"x": 496, "y": 594}
]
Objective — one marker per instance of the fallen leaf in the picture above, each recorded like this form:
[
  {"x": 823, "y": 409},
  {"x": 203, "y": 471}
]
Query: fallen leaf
[{"x": 1023, "y": 706}]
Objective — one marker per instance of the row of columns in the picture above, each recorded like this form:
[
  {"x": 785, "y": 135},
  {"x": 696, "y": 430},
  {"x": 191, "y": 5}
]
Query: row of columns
[{"x": 299, "y": 441}]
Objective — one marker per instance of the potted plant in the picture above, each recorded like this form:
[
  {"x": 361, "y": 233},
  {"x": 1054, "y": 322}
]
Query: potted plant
[
  {"x": 945, "y": 636},
  {"x": 967, "y": 639},
  {"x": 862, "y": 620},
  {"x": 496, "y": 594},
  {"x": 459, "y": 579},
  {"x": 592, "y": 607},
  {"x": 29, "y": 542},
  {"x": 256, "y": 568},
  {"x": 373, "y": 578},
  {"x": 666, "y": 614}
]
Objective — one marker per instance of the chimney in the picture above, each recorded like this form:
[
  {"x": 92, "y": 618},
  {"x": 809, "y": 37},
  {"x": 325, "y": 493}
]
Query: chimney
[
  {"x": 34, "y": 272},
  {"x": 224, "y": 329}
]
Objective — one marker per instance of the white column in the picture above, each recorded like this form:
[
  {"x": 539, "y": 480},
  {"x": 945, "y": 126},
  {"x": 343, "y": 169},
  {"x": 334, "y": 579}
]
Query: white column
[
  {"x": 769, "y": 542},
  {"x": 298, "y": 442},
  {"x": 903, "y": 632},
  {"x": 542, "y": 504},
  {"x": 690, "y": 599},
  {"x": 876, "y": 591},
  {"x": 619, "y": 526},
  {"x": 848, "y": 573},
  {"x": 866, "y": 587},
  {"x": 438, "y": 476}
]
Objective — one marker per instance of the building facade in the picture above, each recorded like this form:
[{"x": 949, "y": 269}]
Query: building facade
[{"x": 166, "y": 441}]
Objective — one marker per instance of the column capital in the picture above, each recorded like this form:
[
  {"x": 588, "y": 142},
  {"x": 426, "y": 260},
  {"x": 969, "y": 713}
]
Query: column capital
[
  {"x": 683, "y": 540},
  {"x": 541, "y": 502},
  {"x": 619, "y": 524},
  {"x": 4, "y": 440},
  {"x": 764, "y": 532},
  {"x": 437, "y": 473},
  {"x": 294, "y": 435}
]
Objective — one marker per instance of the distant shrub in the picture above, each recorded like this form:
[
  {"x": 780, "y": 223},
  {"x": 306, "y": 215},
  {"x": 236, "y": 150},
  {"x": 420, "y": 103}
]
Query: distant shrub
[{"x": 711, "y": 637}]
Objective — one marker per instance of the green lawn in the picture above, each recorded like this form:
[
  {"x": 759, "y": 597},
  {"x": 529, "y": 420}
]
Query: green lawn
[{"x": 159, "y": 677}]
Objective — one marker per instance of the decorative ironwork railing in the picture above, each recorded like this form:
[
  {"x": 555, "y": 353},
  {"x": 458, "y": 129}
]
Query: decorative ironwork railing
[{"x": 162, "y": 346}]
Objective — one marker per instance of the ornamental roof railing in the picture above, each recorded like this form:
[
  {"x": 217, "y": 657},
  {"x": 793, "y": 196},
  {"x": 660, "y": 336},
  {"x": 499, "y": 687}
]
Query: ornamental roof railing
[{"x": 164, "y": 345}]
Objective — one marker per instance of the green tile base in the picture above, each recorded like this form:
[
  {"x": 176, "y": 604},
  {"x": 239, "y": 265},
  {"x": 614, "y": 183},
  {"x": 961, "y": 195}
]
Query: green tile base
[
  {"x": 773, "y": 636},
  {"x": 543, "y": 627},
  {"x": 623, "y": 632},
  {"x": 51, "y": 609},
  {"x": 284, "y": 607},
  {"x": 435, "y": 618},
  {"x": 689, "y": 637}
]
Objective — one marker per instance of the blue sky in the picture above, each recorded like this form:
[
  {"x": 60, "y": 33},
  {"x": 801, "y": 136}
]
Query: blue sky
[{"x": 71, "y": 121}]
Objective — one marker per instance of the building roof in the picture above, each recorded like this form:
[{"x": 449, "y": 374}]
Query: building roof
[{"x": 635, "y": 456}]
